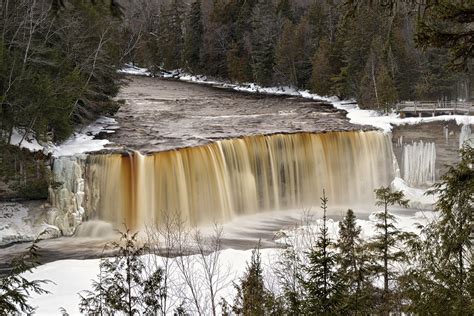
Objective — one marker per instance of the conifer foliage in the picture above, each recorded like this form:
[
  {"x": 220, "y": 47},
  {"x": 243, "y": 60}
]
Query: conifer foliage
[
  {"x": 122, "y": 285},
  {"x": 253, "y": 298},
  {"x": 323, "y": 281},
  {"x": 15, "y": 288},
  {"x": 386, "y": 245},
  {"x": 440, "y": 281},
  {"x": 354, "y": 269}
]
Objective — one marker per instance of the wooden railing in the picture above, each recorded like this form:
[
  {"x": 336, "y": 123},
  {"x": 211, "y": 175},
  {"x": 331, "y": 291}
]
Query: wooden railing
[{"x": 435, "y": 107}]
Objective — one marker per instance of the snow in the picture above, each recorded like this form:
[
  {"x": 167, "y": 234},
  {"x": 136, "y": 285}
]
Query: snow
[
  {"x": 301, "y": 235},
  {"x": 386, "y": 122},
  {"x": 418, "y": 197},
  {"x": 69, "y": 277},
  {"x": 130, "y": 69},
  {"x": 18, "y": 223},
  {"x": 84, "y": 140},
  {"x": 13, "y": 225},
  {"x": 29, "y": 142},
  {"x": 81, "y": 141}
]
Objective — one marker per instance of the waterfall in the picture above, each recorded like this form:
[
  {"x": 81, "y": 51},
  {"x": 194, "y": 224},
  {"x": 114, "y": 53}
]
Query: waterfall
[
  {"x": 227, "y": 178},
  {"x": 419, "y": 161}
]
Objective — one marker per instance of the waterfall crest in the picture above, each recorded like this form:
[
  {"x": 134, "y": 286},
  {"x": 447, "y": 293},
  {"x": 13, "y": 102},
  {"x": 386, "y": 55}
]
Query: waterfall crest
[
  {"x": 239, "y": 176},
  {"x": 227, "y": 178}
]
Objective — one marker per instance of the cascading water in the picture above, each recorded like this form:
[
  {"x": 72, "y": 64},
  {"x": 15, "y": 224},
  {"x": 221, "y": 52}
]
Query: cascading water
[
  {"x": 419, "y": 161},
  {"x": 238, "y": 176}
]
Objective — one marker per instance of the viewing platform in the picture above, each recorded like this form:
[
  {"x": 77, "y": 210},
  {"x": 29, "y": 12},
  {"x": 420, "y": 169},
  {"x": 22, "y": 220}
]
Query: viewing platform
[{"x": 434, "y": 108}]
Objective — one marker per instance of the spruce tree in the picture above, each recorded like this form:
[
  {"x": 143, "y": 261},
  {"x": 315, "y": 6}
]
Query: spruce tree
[
  {"x": 252, "y": 296},
  {"x": 387, "y": 244},
  {"x": 15, "y": 289},
  {"x": 290, "y": 273},
  {"x": 440, "y": 280},
  {"x": 387, "y": 91},
  {"x": 354, "y": 268},
  {"x": 322, "y": 70},
  {"x": 170, "y": 37},
  {"x": 322, "y": 283},
  {"x": 263, "y": 39},
  {"x": 123, "y": 286},
  {"x": 193, "y": 38},
  {"x": 456, "y": 226}
]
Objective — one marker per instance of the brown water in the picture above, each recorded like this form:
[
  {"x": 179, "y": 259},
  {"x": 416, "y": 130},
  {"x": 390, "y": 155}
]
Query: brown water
[
  {"x": 161, "y": 115},
  {"x": 230, "y": 178}
]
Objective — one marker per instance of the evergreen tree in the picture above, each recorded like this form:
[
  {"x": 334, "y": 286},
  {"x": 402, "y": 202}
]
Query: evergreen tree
[
  {"x": 15, "y": 289},
  {"x": 263, "y": 39},
  {"x": 370, "y": 89},
  {"x": 322, "y": 70},
  {"x": 455, "y": 204},
  {"x": 252, "y": 296},
  {"x": 322, "y": 283},
  {"x": 193, "y": 40},
  {"x": 123, "y": 285},
  {"x": 293, "y": 53},
  {"x": 170, "y": 38},
  {"x": 284, "y": 10},
  {"x": 440, "y": 280},
  {"x": 436, "y": 81},
  {"x": 238, "y": 63},
  {"x": 354, "y": 269},
  {"x": 386, "y": 244},
  {"x": 290, "y": 273},
  {"x": 387, "y": 92}
]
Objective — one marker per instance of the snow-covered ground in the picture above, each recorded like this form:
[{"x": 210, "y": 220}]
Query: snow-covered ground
[
  {"x": 83, "y": 140},
  {"x": 69, "y": 277},
  {"x": 27, "y": 142},
  {"x": 20, "y": 223},
  {"x": 13, "y": 223}
]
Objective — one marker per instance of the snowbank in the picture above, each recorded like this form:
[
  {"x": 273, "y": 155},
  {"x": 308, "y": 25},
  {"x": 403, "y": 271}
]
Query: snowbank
[
  {"x": 69, "y": 277},
  {"x": 85, "y": 139},
  {"x": 20, "y": 223},
  {"x": 81, "y": 141},
  {"x": 13, "y": 224},
  {"x": 27, "y": 142},
  {"x": 302, "y": 235},
  {"x": 418, "y": 197}
]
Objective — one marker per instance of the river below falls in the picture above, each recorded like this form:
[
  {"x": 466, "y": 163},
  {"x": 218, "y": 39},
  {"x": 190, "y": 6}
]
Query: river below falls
[{"x": 242, "y": 233}]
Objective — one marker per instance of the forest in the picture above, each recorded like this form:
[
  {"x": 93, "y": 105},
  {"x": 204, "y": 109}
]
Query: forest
[{"x": 59, "y": 58}]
